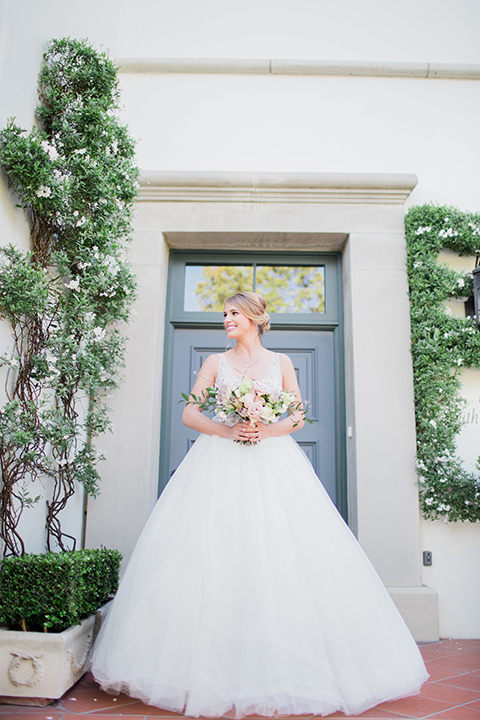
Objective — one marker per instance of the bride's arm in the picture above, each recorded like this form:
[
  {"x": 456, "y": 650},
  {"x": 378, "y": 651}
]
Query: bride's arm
[
  {"x": 292, "y": 422},
  {"x": 192, "y": 415},
  {"x": 194, "y": 418}
]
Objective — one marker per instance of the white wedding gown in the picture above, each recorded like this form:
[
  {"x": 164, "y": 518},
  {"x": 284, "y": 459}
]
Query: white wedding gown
[{"x": 248, "y": 594}]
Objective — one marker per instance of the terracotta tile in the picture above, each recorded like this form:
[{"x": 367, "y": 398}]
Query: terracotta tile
[
  {"x": 460, "y": 713},
  {"x": 417, "y": 706},
  {"x": 438, "y": 673},
  {"x": 287, "y": 717},
  {"x": 97, "y": 717},
  {"x": 457, "y": 664},
  {"x": 92, "y": 700},
  {"x": 19, "y": 713},
  {"x": 372, "y": 714},
  {"x": 431, "y": 652},
  {"x": 468, "y": 680},
  {"x": 449, "y": 693},
  {"x": 138, "y": 708}
]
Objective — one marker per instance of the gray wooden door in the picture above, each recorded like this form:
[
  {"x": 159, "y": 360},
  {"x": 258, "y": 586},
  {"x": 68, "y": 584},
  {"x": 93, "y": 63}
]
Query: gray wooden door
[
  {"x": 311, "y": 335},
  {"x": 312, "y": 353}
]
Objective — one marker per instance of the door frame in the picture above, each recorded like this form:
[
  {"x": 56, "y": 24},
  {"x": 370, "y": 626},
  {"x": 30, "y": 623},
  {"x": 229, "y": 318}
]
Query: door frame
[{"x": 331, "y": 320}]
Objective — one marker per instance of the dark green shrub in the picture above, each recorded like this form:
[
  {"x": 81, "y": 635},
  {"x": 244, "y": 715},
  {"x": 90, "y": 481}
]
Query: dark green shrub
[{"x": 56, "y": 590}]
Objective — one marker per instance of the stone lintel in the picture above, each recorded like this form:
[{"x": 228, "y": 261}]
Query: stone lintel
[
  {"x": 264, "y": 66},
  {"x": 276, "y": 187}
]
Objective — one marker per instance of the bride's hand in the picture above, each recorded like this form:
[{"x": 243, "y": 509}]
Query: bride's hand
[
  {"x": 245, "y": 432},
  {"x": 263, "y": 430}
]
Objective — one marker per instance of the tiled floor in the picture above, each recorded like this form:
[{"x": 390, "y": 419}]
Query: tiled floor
[{"x": 452, "y": 693}]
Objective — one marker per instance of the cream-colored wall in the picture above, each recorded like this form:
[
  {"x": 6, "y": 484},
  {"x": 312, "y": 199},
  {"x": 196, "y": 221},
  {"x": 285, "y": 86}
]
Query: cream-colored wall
[
  {"x": 431, "y": 30},
  {"x": 273, "y": 123},
  {"x": 312, "y": 124}
]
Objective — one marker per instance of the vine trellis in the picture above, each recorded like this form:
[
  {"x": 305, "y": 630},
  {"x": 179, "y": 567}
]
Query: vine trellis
[
  {"x": 442, "y": 345},
  {"x": 75, "y": 177}
]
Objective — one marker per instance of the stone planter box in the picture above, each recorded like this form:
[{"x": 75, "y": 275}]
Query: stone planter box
[{"x": 37, "y": 668}]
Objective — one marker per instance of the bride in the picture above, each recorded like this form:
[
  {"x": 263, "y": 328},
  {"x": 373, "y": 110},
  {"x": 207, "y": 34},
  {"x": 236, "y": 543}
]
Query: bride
[{"x": 246, "y": 592}]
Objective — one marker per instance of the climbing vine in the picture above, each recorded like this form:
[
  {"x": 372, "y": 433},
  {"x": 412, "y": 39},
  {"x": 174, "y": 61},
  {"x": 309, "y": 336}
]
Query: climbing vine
[
  {"x": 442, "y": 345},
  {"x": 74, "y": 175}
]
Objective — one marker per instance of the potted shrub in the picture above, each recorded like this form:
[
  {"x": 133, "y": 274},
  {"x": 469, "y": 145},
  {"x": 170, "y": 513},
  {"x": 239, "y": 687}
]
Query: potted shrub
[{"x": 48, "y": 606}]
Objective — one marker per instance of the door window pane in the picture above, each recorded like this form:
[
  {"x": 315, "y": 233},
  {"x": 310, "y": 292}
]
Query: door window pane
[
  {"x": 207, "y": 286},
  {"x": 287, "y": 288},
  {"x": 290, "y": 289}
]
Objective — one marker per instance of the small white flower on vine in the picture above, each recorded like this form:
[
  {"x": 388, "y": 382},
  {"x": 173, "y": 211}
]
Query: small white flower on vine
[
  {"x": 99, "y": 333},
  {"x": 82, "y": 265},
  {"x": 429, "y": 501},
  {"x": 459, "y": 361},
  {"x": 44, "y": 191},
  {"x": 433, "y": 423},
  {"x": 417, "y": 264},
  {"x": 461, "y": 282},
  {"x": 89, "y": 316},
  {"x": 73, "y": 284},
  {"x": 80, "y": 151},
  {"x": 76, "y": 213},
  {"x": 81, "y": 222},
  {"x": 48, "y": 148},
  {"x": 443, "y": 508},
  {"x": 13, "y": 363}
]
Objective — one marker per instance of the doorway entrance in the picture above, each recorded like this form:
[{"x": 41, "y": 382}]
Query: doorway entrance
[{"x": 303, "y": 293}]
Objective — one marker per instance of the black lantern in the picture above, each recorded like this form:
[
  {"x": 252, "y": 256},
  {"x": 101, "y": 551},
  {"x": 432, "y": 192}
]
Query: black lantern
[{"x": 476, "y": 291}]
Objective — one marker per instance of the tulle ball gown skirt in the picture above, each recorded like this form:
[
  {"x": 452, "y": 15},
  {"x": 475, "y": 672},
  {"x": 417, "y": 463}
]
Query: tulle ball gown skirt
[{"x": 248, "y": 594}]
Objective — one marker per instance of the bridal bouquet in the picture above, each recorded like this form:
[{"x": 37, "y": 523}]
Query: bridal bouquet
[{"x": 248, "y": 401}]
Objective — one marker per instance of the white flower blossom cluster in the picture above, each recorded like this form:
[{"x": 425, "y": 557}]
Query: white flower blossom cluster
[
  {"x": 448, "y": 233},
  {"x": 421, "y": 230},
  {"x": 43, "y": 191},
  {"x": 50, "y": 150}
]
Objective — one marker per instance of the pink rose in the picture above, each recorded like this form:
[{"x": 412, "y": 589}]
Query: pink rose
[
  {"x": 254, "y": 411},
  {"x": 248, "y": 399},
  {"x": 260, "y": 387}
]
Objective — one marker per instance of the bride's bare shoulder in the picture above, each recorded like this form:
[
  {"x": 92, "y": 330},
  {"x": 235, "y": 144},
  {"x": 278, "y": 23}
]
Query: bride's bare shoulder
[
  {"x": 285, "y": 361},
  {"x": 209, "y": 368}
]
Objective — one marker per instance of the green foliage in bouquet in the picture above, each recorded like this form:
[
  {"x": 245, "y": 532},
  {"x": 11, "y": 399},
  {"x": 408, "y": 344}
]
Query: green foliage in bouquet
[
  {"x": 76, "y": 179},
  {"x": 442, "y": 345},
  {"x": 56, "y": 590}
]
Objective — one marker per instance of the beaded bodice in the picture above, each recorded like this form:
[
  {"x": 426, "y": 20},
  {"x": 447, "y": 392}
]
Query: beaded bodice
[{"x": 272, "y": 380}]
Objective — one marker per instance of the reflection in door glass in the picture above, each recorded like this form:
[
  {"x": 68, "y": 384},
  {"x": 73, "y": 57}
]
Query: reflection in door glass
[
  {"x": 207, "y": 286},
  {"x": 289, "y": 289}
]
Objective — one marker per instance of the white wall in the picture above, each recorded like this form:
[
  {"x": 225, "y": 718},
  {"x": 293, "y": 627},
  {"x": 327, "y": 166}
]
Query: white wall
[
  {"x": 408, "y": 30},
  {"x": 312, "y": 124},
  {"x": 269, "y": 123}
]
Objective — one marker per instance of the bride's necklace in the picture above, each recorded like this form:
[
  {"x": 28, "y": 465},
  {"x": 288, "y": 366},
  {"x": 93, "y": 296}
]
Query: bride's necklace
[{"x": 247, "y": 365}]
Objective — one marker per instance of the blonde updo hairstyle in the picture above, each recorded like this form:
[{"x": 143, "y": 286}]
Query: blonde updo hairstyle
[{"x": 253, "y": 306}]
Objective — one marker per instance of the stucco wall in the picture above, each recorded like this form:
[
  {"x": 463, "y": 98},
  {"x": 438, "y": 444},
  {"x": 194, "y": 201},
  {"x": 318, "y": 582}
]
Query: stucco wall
[{"x": 263, "y": 123}]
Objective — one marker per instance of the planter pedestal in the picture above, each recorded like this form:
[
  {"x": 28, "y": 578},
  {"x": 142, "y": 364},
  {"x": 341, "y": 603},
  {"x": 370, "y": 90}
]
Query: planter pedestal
[{"x": 37, "y": 668}]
